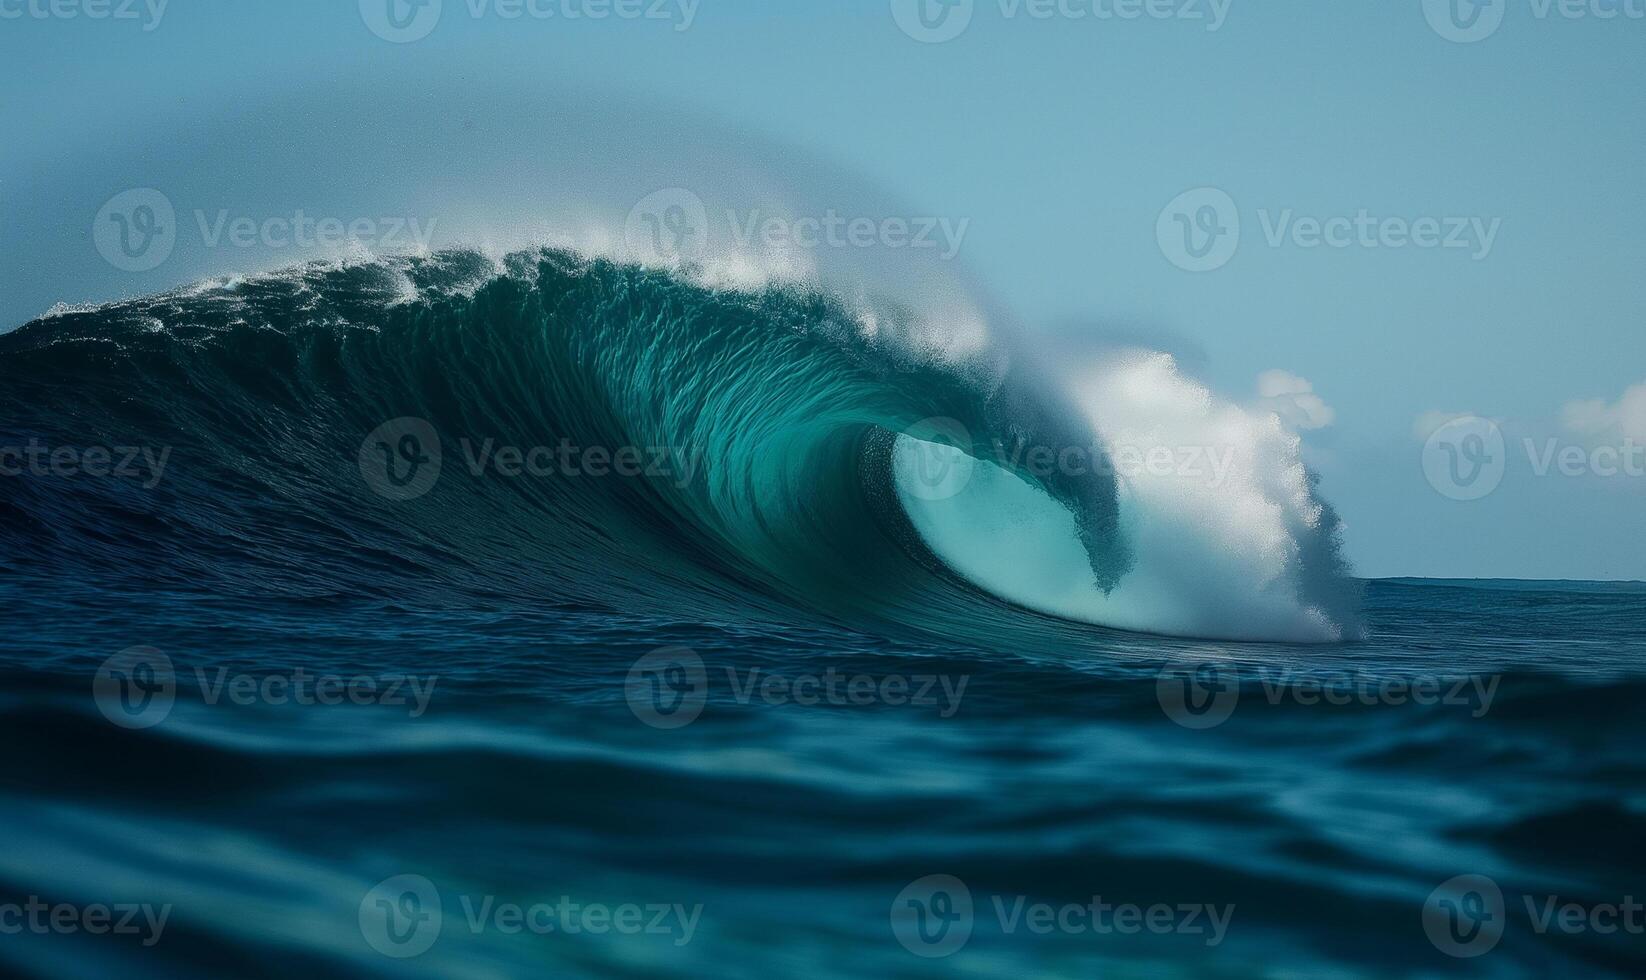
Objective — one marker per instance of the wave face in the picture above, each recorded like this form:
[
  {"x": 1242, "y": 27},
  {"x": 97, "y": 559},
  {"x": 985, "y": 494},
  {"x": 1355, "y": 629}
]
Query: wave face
[{"x": 595, "y": 434}]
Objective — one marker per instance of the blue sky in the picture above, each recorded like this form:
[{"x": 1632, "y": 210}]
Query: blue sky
[{"x": 1061, "y": 139}]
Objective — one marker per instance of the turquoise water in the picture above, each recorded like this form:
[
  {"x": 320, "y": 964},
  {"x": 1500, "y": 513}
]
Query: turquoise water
[{"x": 284, "y": 693}]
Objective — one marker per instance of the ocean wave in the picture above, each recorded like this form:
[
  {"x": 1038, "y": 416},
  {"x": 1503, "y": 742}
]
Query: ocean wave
[{"x": 796, "y": 454}]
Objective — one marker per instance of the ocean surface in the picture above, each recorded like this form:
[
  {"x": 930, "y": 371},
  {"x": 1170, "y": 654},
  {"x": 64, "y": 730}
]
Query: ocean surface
[{"x": 460, "y": 617}]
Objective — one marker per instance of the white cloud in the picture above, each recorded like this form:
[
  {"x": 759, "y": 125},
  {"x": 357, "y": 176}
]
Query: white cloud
[
  {"x": 1599, "y": 422},
  {"x": 1293, "y": 399}
]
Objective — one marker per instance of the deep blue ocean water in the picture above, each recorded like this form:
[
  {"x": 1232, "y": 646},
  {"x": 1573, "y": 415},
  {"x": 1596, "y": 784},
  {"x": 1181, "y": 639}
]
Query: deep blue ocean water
[{"x": 265, "y": 716}]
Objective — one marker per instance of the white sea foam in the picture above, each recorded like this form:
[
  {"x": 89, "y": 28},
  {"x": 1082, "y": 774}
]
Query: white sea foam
[{"x": 1213, "y": 499}]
